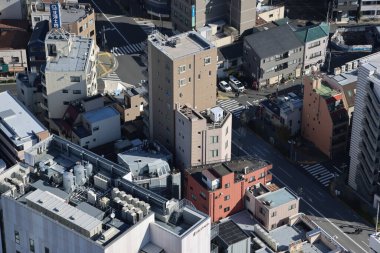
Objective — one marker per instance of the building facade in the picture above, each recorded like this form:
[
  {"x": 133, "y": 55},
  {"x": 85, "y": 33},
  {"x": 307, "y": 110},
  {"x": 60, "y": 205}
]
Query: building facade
[
  {"x": 189, "y": 15},
  {"x": 202, "y": 138},
  {"x": 325, "y": 120},
  {"x": 13, "y": 9},
  {"x": 219, "y": 189},
  {"x": 70, "y": 72},
  {"x": 369, "y": 10},
  {"x": 315, "y": 39},
  {"x": 76, "y": 18},
  {"x": 19, "y": 129},
  {"x": 182, "y": 70},
  {"x": 36, "y": 47},
  {"x": 158, "y": 8},
  {"x": 344, "y": 10},
  {"x": 272, "y": 56},
  {"x": 364, "y": 164}
]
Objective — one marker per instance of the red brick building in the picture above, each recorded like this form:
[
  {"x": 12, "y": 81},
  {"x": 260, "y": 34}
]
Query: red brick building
[{"x": 219, "y": 189}]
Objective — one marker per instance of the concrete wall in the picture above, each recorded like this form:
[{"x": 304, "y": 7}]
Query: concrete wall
[
  {"x": 272, "y": 14},
  {"x": 11, "y": 9},
  {"x": 7, "y": 55},
  {"x": 309, "y": 51}
]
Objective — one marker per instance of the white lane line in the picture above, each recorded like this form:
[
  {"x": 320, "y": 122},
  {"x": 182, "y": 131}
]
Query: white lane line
[
  {"x": 285, "y": 172},
  {"x": 313, "y": 167},
  {"x": 249, "y": 103},
  {"x": 116, "y": 16},
  {"x": 318, "y": 212},
  {"x": 110, "y": 22},
  {"x": 326, "y": 177},
  {"x": 365, "y": 243},
  {"x": 337, "y": 169}
]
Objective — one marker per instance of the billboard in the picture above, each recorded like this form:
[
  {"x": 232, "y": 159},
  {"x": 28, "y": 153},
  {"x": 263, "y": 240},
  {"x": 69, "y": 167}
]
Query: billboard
[
  {"x": 193, "y": 16},
  {"x": 55, "y": 15}
]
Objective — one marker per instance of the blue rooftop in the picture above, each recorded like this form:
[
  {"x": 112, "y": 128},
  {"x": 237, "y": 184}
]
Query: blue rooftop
[
  {"x": 277, "y": 198},
  {"x": 100, "y": 114}
]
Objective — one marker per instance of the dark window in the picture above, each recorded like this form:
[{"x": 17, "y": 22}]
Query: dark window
[
  {"x": 75, "y": 79},
  {"x": 17, "y": 237},
  {"x": 92, "y": 33},
  {"x": 227, "y": 197},
  {"x": 227, "y": 185},
  {"x": 65, "y": 91},
  {"x": 52, "y": 50},
  {"x": 227, "y": 209},
  {"x": 77, "y": 91},
  {"x": 31, "y": 245},
  {"x": 95, "y": 128},
  {"x": 47, "y": 250},
  {"x": 80, "y": 29}
]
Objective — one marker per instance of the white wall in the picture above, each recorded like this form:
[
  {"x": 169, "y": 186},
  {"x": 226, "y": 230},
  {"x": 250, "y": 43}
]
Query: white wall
[
  {"x": 309, "y": 51},
  {"x": 11, "y": 9},
  {"x": 7, "y": 55}
]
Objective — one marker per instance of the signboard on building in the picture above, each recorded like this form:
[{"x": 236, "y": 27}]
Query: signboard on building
[
  {"x": 4, "y": 68},
  {"x": 55, "y": 15},
  {"x": 193, "y": 16}
]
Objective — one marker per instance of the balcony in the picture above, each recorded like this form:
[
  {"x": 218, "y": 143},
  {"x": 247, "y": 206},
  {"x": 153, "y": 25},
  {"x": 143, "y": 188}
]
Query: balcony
[
  {"x": 371, "y": 103},
  {"x": 282, "y": 56},
  {"x": 368, "y": 141}
]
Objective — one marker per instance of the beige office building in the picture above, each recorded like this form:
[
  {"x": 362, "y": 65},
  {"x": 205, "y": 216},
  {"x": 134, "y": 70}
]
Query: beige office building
[
  {"x": 182, "y": 70},
  {"x": 202, "y": 138},
  {"x": 187, "y": 15}
]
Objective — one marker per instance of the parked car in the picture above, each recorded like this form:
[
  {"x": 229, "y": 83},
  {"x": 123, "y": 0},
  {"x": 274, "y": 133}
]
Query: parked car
[
  {"x": 224, "y": 86},
  {"x": 236, "y": 84}
]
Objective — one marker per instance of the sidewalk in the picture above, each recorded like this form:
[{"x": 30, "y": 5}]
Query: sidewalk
[{"x": 107, "y": 63}]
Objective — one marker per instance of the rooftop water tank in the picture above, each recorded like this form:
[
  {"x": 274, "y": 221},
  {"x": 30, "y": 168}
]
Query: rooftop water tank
[
  {"x": 68, "y": 181},
  {"x": 80, "y": 177},
  {"x": 89, "y": 168}
]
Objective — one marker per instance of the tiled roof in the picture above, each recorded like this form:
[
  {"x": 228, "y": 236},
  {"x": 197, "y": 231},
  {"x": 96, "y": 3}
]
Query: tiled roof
[{"x": 308, "y": 34}]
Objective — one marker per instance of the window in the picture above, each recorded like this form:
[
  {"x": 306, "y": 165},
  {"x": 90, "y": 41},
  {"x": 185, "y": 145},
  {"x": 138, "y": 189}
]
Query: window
[
  {"x": 226, "y": 130},
  {"x": 247, "y": 198},
  {"x": 22, "y": 91},
  {"x": 37, "y": 19},
  {"x": 220, "y": 206},
  {"x": 227, "y": 209},
  {"x": 182, "y": 82},
  {"x": 274, "y": 214},
  {"x": 2, "y": 60},
  {"x": 202, "y": 195},
  {"x": 47, "y": 250},
  {"x": 77, "y": 91},
  {"x": 271, "y": 15},
  {"x": 199, "y": 76},
  {"x": 189, "y": 79},
  {"x": 91, "y": 22},
  {"x": 291, "y": 207},
  {"x": 65, "y": 91},
  {"x": 92, "y": 33},
  {"x": 15, "y": 60},
  {"x": 251, "y": 179},
  {"x": 193, "y": 197},
  {"x": 261, "y": 210},
  {"x": 209, "y": 73},
  {"x": 181, "y": 68},
  {"x": 214, "y": 153},
  {"x": 207, "y": 60},
  {"x": 227, "y": 197},
  {"x": 75, "y": 79},
  {"x": 214, "y": 139},
  {"x": 17, "y": 237},
  {"x": 189, "y": 66},
  {"x": 226, "y": 144},
  {"x": 95, "y": 128},
  {"x": 80, "y": 29},
  {"x": 227, "y": 185},
  {"x": 31, "y": 245},
  {"x": 65, "y": 102},
  {"x": 52, "y": 50}
]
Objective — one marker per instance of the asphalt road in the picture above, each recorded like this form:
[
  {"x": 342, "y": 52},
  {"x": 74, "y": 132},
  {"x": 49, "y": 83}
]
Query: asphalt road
[{"x": 329, "y": 213}]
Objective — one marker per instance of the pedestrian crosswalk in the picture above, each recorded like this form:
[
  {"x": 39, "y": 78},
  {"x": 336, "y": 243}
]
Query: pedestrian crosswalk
[
  {"x": 318, "y": 171},
  {"x": 146, "y": 25},
  {"x": 129, "y": 49},
  {"x": 232, "y": 106},
  {"x": 112, "y": 77}
]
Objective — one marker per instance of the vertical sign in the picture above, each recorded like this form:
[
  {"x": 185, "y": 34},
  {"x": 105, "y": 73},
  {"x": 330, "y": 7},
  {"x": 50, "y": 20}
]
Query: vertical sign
[
  {"x": 193, "y": 16},
  {"x": 55, "y": 14}
]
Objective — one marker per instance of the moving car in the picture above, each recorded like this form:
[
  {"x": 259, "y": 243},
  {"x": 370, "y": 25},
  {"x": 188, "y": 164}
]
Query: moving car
[
  {"x": 236, "y": 84},
  {"x": 224, "y": 86}
]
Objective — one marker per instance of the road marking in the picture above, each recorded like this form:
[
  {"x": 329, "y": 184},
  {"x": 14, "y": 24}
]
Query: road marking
[
  {"x": 117, "y": 30},
  {"x": 318, "y": 212},
  {"x": 116, "y": 16},
  {"x": 337, "y": 169},
  {"x": 249, "y": 103},
  {"x": 365, "y": 243}
]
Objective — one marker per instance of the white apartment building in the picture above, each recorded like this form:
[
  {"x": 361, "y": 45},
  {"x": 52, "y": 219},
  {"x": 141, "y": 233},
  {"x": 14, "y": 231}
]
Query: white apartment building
[
  {"x": 369, "y": 9},
  {"x": 19, "y": 129},
  {"x": 202, "y": 137},
  {"x": 98, "y": 127},
  {"x": 365, "y": 145},
  {"x": 91, "y": 205},
  {"x": 70, "y": 72}
]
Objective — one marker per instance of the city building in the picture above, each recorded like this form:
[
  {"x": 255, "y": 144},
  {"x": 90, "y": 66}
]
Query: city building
[
  {"x": 70, "y": 72},
  {"x": 76, "y": 18},
  {"x": 229, "y": 59},
  {"x": 36, "y": 47},
  {"x": 270, "y": 13},
  {"x": 344, "y": 10},
  {"x": 65, "y": 191},
  {"x": 158, "y": 9},
  {"x": 19, "y": 129},
  {"x": 202, "y": 137},
  {"x": 29, "y": 92},
  {"x": 13, "y": 9},
  {"x": 272, "y": 56},
  {"x": 369, "y": 10},
  {"x": 14, "y": 38},
  {"x": 284, "y": 111},
  {"x": 299, "y": 234},
  {"x": 189, "y": 15},
  {"x": 364, "y": 156},
  {"x": 315, "y": 39},
  {"x": 219, "y": 189},
  {"x": 150, "y": 164},
  {"x": 230, "y": 238},
  {"x": 271, "y": 208},
  {"x": 182, "y": 70},
  {"x": 325, "y": 120}
]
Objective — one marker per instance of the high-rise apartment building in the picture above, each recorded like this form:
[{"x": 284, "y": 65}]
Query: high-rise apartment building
[
  {"x": 365, "y": 136},
  {"x": 182, "y": 71},
  {"x": 70, "y": 72},
  {"x": 187, "y": 15}
]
